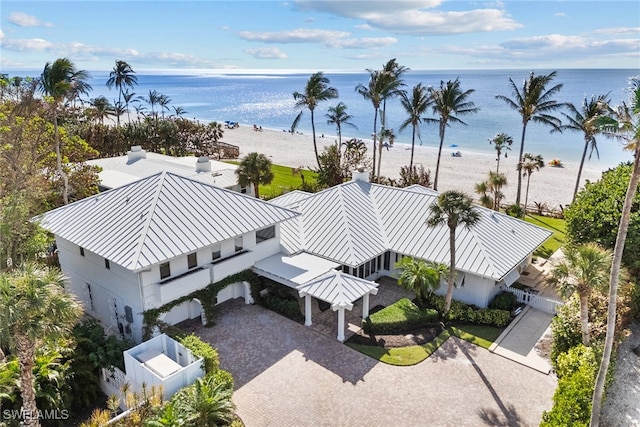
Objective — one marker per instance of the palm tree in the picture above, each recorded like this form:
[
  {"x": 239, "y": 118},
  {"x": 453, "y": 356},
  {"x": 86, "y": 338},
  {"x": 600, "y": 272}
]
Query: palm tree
[
  {"x": 316, "y": 91},
  {"x": 530, "y": 163},
  {"x": 385, "y": 135},
  {"x": 374, "y": 92},
  {"x": 393, "y": 83},
  {"x": 583, "y": 268},
  {"x": 500, "y": 142},
  {"x": 122, "y": 76},
  {"x": 205, "y": 403},
  {"x": 254, "y": 169},
  {"x": 338, "y": 116},
  {"x": 534, "y": 103},
  {"x": 60, "y": 80},
  {"x": 453, "y": 208},
  {"x": 101, "y": 108},
  {"x": 35, "y": 308},
  {"x": 179, "y": 111},
  {"x": 415, "y": 107},
  {"x": 164, "y": 101},
  {"x": 448, "y": 101},
  {"x": 493, "y": 185},
  {"x": 129, "y": 97},
  {"x": 584, "y": 120},
  {"x": 624, "y": 125},
  {"x": 419, "y": 276}
]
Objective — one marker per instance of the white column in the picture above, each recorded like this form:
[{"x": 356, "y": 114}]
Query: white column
[
  {"x": 341, "y": 324},
  {"x": 248, "y": 299},
  {"x": 307, "y": 310},
  {"x": 365, "y": 306}
]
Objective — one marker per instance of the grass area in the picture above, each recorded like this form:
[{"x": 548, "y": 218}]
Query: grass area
[
  {"x": 557, "y": 226},
  {"x": 482, "y": 336},
  {"x": 283, "y": 180}
]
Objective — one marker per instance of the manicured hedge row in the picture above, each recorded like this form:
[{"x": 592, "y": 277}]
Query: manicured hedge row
[
  {"x": 463, "y": 313},
  {"x": 399, "y": 316},
  {"x": 287, "y": 307}
]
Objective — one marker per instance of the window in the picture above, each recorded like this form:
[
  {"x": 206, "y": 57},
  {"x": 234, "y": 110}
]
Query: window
[
  {"x": 243, "y": 190},
  {"x": 106, "y": 264},
  {"x": 215, "y": 253},
  {"x": 265, "y": 234},
  {"x": 90, "y": 297},
  {"x": 192, "y": 260},
  {"x": 387, "y": 260},
  {"x": 238, "y": 243},
  {"x": 361, "y": 271},
  {"x": 81, "y": 251},
  {"x": 165, "y": 270}
]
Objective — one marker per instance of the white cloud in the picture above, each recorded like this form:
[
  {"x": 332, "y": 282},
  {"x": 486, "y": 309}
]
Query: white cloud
[
  {"x": 310, "y": 19},
  {"x": 267, "y": 53},
  {"x": 364, "y": 27},
  {"x": 23, "y": 20},
  {"x": 300, "y": 35},
  {"x": 560, "y": 15},
  {"x": 362, "y": 43},
  {"x": 412, "y": 17},
  {"x": 225, "y": 28},
  {"x": 25, "y": 45},
  {"x": 618, "y": 31}
]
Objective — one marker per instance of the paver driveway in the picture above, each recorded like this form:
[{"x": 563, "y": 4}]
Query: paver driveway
[{"x": 289, "y": 375}]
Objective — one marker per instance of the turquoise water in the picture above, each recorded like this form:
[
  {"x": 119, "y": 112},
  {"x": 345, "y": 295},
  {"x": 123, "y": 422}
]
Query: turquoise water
[{"x": 267, "y": 100}]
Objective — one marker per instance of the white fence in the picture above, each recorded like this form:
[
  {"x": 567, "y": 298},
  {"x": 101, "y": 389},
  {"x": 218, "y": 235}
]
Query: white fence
[{"x": 541, "y": 303}]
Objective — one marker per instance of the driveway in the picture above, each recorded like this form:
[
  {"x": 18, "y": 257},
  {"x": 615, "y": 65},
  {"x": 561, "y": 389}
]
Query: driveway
[{"x": 287, "y": 374}]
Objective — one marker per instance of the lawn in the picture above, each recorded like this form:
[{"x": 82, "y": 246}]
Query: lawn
[
  {"x": 557, "y": 226},
  {"x": 284, "y": 180}
]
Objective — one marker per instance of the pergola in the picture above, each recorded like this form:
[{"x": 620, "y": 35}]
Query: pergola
[{"x": 317, "y": 277}]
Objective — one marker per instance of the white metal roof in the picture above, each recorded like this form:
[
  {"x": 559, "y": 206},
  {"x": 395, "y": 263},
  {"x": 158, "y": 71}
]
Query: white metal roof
[
  {"x": 159, "y": 218},
  {"x": 357, "y": 221},
  {"x": 296, "y": 269},
  {"x": 118, "y": 171},
  {"x": 338, "y": 289}
]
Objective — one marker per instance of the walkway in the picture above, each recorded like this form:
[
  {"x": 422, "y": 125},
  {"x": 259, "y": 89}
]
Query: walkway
[
  {"x": 517, "y": 342},
  {"x": 287, "y": 374}
]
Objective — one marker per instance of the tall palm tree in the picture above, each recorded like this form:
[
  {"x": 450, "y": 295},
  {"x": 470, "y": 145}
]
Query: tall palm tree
[
  {"x": 452, "y": 208},
  {"x": 393, "y": 73},
  {"x": 164, "y": 101},
  {"x": 500, "y": 142},
  {"x": 129, "y": 97},
  {"x": 122, "y": 77},
  {"x": 419, "y": 276},
  {"x": 449, "y": 102},
  {"x": 338, "y": 116},
  {"x": 373, "y": 91},
  {"x": 534, "y": 102},
  {"x": 530, "y": 163},
  {"x": 317, "y": 90},
  {"x": 584, "y": 120},
  {"x": 415, "y": 107},
  {"x": 101, "y": 108},
  {"x": 35, "y": 308},
  {"x": 583, "y": 268},
  {"x": 255, "y": 168},
  {"x": 60, "y": 80},
  {"x": 624, "y": 125}
]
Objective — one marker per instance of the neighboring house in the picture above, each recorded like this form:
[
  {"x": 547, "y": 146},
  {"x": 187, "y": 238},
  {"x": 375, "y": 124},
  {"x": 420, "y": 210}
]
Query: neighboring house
[
  {"x": 138, "y": 163},
  {"x": 147, "y": 243},
  {"x": 368, "y": 227},
  {"x": 152, "y": 241}
]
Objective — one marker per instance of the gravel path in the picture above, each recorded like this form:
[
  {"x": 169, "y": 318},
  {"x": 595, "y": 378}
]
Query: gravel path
[{"x": 622, "y": 404}]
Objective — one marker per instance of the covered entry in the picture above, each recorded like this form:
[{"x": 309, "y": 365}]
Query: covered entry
[{"x": 315, "y": 277}]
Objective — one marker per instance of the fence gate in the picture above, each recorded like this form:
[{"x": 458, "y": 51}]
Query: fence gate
[{"x": 541, "y": 303}]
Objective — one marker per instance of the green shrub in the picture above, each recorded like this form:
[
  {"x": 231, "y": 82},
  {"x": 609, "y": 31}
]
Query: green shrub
[
  {"x": 401, "y": 315},
  {"x": 430, "y": 315},
  {"x": 504, "y": 301},
  {"x": 223, "y": 377},
  {"x": 515, "y": 211},
  {"x": 284, "y": 306},
  {"x": 463, "y": 313},
  {"x": 202, "y": 349}
]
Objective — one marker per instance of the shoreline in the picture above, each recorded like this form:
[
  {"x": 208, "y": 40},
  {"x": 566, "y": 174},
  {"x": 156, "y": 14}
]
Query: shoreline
[{"x": 551, "y": 185}]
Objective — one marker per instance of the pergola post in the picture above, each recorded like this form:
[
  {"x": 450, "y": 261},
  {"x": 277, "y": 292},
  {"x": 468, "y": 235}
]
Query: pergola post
[
  {"x": 365, "y": 306},
  {"x": 341, "y": 324},
  {"x": 307, "y": 310},
  {"x": 248, "y": 299}
]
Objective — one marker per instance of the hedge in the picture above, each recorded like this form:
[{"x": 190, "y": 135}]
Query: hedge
[
  {"x": 504, "y": 301},
  {"x": 199, "y": 348},
  {"x": 463, "y": 313}
]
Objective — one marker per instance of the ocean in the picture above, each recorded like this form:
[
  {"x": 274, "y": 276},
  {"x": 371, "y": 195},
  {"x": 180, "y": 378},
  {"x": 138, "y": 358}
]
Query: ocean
[{"x": 266, "y": 100}]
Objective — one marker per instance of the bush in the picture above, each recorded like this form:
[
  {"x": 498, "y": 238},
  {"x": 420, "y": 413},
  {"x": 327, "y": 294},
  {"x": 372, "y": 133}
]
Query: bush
[
  {"x": 284, "y": 306},
  {"x": 202, "y": 349},
  {"x": 398, "y": 317},
  {"x": 431, "y": 315},
  {"x": 504, "y": 301},
  {"x": 463, "y": 313},
  {"x": 515, "y": 211},
  {"x": 223, "y": 377}
]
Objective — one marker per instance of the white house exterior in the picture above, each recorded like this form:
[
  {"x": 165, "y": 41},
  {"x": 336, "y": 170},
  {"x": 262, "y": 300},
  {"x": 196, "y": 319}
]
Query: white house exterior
[
  {"x": 138, "y": 163},
  {"x": 142, "y": 245},
  {"x": 149, "y": 242}
]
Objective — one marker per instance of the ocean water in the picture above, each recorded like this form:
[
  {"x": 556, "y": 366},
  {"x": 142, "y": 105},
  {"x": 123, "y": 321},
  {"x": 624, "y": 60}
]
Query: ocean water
[{"x": 266, "y": 100}]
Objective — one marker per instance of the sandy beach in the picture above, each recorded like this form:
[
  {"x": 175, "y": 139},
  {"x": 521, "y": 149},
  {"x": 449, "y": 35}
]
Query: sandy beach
[{"x": 552, "y": 185}]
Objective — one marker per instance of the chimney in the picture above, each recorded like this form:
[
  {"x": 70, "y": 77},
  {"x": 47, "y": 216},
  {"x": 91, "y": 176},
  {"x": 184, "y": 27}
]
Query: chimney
[
  {"x": 136, "y": 153},
  {"x": 203, "y": 164},
  {"x": 360, "y": 174}
]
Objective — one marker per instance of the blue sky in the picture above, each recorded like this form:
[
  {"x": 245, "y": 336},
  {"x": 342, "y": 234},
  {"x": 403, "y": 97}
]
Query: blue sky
[{"x": 320, "y": 35}]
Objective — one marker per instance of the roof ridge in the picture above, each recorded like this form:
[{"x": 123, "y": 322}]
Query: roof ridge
[
  {"x": 345, "y": 221},
  {"x": 381, "y": 226},
  {"x": 154, "y": 203}
]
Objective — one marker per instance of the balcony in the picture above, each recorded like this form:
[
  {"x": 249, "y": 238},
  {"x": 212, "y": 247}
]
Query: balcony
[
  {"x": 233, "y": 264},
  {"x": 183, "y": 284}
]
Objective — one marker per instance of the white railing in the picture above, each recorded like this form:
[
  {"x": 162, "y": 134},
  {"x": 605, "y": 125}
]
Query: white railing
[{"x": 541, "y": 303}]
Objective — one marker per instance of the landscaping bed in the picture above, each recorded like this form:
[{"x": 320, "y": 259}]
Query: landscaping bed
[{"x": 414, "y": 336}]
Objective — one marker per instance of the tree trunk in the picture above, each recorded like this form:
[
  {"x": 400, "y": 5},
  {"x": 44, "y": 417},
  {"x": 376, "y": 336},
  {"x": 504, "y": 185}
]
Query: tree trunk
[
  {"x": 61, "y": 172},
  {"x": 435, "y": 181},
  {"x": 452, "y": 269},
  {"x": 413, "y": 145},
  {"x": 526, "y": 195},
  {"x": 519, "y": 189},
  {"x": 584, "y": 155},
  {"x": 613, "y": 290},
  {"x": 375, "y": 124},
  {"x": 379, "y": 159},
  {"x": 584, "y": 317},
  {"x": 315, "y": 146},
  {"x": 25, "y": 350},
  {"x": 256, "y": 190}
]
